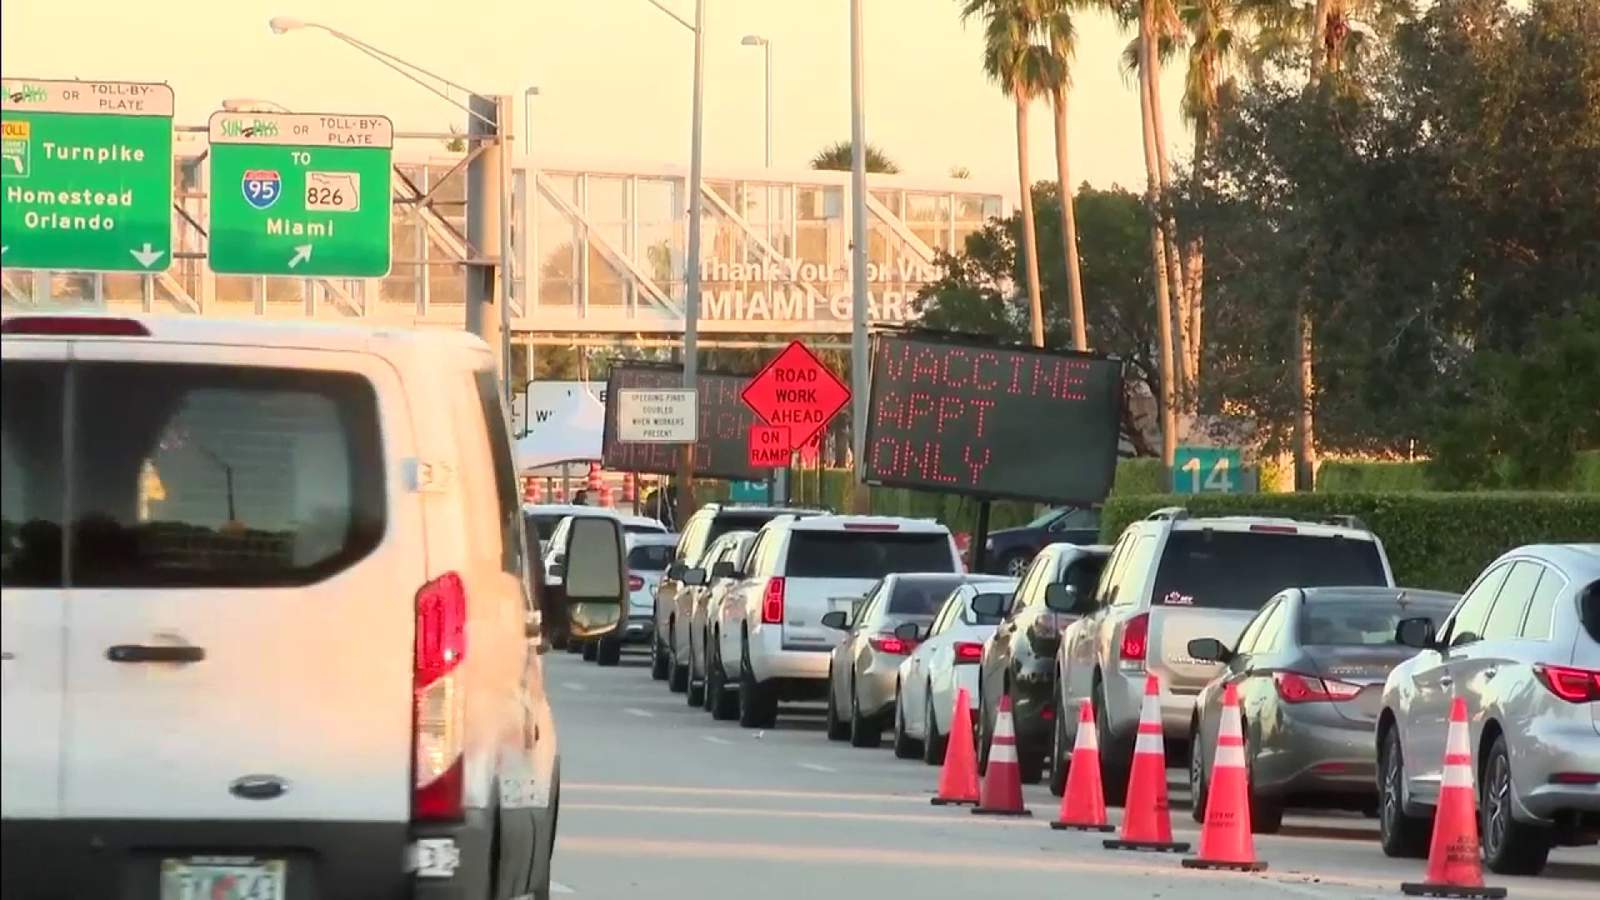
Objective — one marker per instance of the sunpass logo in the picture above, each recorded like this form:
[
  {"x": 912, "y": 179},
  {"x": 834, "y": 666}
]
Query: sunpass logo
[
  {"x": 252, "y": 128},
  {"x": 28, "y": 93}
]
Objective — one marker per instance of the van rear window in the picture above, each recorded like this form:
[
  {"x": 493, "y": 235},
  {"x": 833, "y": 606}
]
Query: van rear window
[
  {"x": 921, "y": 596},
  {"x": 1589, "y": 610},
  {"x": 196, "y": 476},
  {"x": 1243, "y": 569},
  {"x": 832, "y": 554}
]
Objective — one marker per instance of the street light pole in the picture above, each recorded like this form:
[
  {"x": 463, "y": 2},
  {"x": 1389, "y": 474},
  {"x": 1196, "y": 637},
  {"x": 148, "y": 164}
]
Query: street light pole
[
  {"x": 858, "y": 259},
  {"x": 778, "y": 486}
]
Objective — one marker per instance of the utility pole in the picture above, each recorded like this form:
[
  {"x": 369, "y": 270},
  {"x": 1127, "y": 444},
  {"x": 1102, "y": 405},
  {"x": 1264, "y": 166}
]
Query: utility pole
[
  {"x": 858, "y": 263},
  {"x": 691, "y": 303},
  {"x": 483, "y": 221}
]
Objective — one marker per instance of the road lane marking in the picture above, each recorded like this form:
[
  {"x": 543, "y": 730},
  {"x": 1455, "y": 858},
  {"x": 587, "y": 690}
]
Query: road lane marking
[
  {"x": 636, "y": 711},
  {"x": 827, "y": 770},
  {"x": 557, "y": 887},
  {"x": 679, "y": 790},
  {"x": 826, "y": 815},
  {"x": 573, "y": 686},
  {"x": 713, "y": 739}
]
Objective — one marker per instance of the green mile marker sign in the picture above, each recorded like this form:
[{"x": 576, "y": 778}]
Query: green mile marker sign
[
  {"x": 300, "y": 194},
  {"x": 85, "y": 175}
]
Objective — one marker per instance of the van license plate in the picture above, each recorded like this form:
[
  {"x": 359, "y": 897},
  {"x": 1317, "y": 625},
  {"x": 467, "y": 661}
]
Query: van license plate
[{"x": 223, "y": 878}]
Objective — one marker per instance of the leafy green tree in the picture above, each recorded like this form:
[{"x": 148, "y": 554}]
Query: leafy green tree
[{"x": 837, "y": 157}]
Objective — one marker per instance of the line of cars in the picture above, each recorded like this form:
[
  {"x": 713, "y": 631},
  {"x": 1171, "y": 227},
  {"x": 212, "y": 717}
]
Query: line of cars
[{"x": 1344, "y": 677}]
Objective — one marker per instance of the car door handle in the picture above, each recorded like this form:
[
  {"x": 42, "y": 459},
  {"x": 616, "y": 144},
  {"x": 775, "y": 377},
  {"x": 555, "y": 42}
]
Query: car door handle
[
  {"x": 1446, "y": 681},
  {"x": 145, "y": 653}
]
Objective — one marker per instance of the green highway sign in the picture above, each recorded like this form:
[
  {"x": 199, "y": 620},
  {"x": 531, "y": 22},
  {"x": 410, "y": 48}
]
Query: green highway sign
[
  {"x": 85, "y": 175},
  {"x": 1209, "y": 470},
  {"x": 301, "y": 194}
]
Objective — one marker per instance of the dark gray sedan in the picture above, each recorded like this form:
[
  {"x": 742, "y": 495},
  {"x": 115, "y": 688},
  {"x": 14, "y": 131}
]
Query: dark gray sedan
[{"x": 1310, "y": 669}]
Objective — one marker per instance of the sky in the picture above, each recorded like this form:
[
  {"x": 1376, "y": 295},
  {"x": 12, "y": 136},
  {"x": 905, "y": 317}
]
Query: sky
[{"x": 614, "y": 75}]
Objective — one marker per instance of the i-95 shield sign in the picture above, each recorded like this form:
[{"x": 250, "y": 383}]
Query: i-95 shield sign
[{"x": 262, "y": 187}]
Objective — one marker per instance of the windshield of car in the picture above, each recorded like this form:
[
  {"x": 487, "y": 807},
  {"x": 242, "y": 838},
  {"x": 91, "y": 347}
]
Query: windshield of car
[
  {"x": 1045, "y": 518},
  {"x": 1364, "y": 622},
  {"x": 650, "y": 557},
  {"x": 738, "y": 521},
  {"x": 1242, "y": 569},
  {"x": 921, "y": 596},
  {"x": 545, "y": 523},
  {"x": 641, "y": 528},
  {"x": 855, "y": 554}
]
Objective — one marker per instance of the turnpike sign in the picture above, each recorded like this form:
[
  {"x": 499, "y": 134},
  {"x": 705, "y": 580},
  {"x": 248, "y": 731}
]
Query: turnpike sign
[
  {"x": 301, "y": 194},
  {"x": 798, "y": 392},
  {"x": 86, "y": 175}
]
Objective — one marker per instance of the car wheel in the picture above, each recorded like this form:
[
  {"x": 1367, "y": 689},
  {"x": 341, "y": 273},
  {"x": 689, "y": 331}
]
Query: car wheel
[
  {"x": 608, "y": 651},
  {"x": 695, "y": 690},
  {"x": 838, "y": 729},
  {"x": 864, "y": 732},
  {"x": 904, "y": 746},
  {"x": 705, "y": 651},
  {"x": 1266, "y": 814},
  {"x": 1015, "y": 565},
  {"x": 658, "y": 660},
  {"x": 1115, "y": 757},
  {"x": 985, "y": 731},
  {"x": 1400, "y": 835},
  {"x": 1060, "y": 757},
  {"x": 1030, "y": 762},
  {"x": 678, "y": 674},
  {"x": 933, "y": 746},
  {"x": 574, "y": 645},
  {"x": 724, "y": 701},
  {"x": 591, "y": 650},
  {"x": 1197, "y": 777},
  {"x": 1509, "y": 847},
  {"x": 758, "y": 708}
]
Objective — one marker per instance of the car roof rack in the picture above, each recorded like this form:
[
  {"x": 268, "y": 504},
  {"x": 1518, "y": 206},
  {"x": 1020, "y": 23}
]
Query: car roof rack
[
  {"x": 1336, "y": 520},
  {"x": 1168, "y": 514}
]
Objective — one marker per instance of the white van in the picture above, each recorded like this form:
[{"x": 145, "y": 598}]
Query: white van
[{"x": 266, "y": 626}]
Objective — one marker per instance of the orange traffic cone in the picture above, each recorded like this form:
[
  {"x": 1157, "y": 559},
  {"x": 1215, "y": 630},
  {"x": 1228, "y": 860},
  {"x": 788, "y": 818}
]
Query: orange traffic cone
[
  {"x": 1002, "y": 782},
  {"x": 1225, "y": 840},
  {"x": 958, "y": 780},
  {"x": 1083, "y": 805},
  {"x": 1147, "y": 821},
  {"x": 1455, "y": 864}
]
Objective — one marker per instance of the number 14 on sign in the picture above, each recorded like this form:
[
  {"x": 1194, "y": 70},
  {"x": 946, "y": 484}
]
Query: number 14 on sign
[{"x": 1207, "y": 470}]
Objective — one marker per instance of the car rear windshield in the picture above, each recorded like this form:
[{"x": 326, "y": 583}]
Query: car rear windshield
[
  {"x": 1589, "y": 610},
  {"x": 855, "y": 554},
  {"x": 1364, "y": 622},
  {"x": 1243, "y": 569},
  {"x": 921, "y": 596},
  {"x": 650, "y": 558},
  {"x": 725, "y": 522},
  {"x": 546, "y": 524},
  {"x": 631, "y": 528},
  {"x": 186, "y": 475}
]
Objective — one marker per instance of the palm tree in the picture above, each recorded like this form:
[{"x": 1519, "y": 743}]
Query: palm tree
[
  {"x": 836, "y": 158},
  {"x": 1020, "y": 67},
  {"x": 1055, "y": 21}
]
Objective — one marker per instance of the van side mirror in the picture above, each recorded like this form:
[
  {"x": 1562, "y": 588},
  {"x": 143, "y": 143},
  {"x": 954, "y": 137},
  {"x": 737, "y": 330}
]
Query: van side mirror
[
  {"x": 908, "y": 631},
  {"x": 595, "y": 580},
  {"x": 695, "y": 577},
  {"x": 837, "y": 619},
  {"x": 990, "y": 606},
  {"x": 676, "y": 570},
  {"x": 1209, "y": 650},
  {"x": 722, "y": 570},
  {"x": 1065, "y": 598},
  {"x": 1416, "y": 633},
  {"x": 557, "y": 568}
]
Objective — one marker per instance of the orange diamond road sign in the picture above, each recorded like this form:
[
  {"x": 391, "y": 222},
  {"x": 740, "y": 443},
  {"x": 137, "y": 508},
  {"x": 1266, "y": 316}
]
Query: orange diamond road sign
[
  {"x": 769, "y": 447},
  {"x": 798, "y": 392}
]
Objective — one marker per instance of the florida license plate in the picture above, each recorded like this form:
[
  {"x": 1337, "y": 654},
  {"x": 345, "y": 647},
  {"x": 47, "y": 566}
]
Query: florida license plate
[{"x": 223, "y": 878}]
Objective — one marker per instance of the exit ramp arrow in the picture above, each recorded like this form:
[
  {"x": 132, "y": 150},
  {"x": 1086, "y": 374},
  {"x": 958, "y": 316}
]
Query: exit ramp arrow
[
  {"x": 302, "y": 253},
  {"x": 146, "y": 256}
]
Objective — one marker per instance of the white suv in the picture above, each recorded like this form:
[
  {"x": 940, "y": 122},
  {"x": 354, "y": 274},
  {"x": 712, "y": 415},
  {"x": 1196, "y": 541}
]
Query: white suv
[
  {"x": 769, "y": 638},
  {"x": 241, "y": 562}
]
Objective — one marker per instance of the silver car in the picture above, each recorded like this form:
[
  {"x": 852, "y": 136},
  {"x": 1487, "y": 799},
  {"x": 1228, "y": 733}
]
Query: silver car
[
  {"x": 865, "y": 666},
  {"x": 1522, "y": 648},
  {"x": 717, "y": 571},
  {"x": 648, "y": 557}
]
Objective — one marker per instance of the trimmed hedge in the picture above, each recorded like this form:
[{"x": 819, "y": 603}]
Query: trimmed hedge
[
  {"x": 1434, "y": 540},
  {"x": 1413, "y": 476}
]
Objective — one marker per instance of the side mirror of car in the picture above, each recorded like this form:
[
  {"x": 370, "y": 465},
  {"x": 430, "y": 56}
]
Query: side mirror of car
[
  {"x": 837, "y": 619},
  {"x": 557, "y": 568},
  {"x": 722, "y": 570},
  {"x": 990, "y": 606},
  {"x": 1416, "y": 633},
  {"x": 676, "y": 570},
  {"x": 596, "y": 581},
  {"x": 1065, "y": 598},
  {"x": 695, "y": 577},
  {"x": 1209, "y": 650},
  {"x": 908, "y": 631}
]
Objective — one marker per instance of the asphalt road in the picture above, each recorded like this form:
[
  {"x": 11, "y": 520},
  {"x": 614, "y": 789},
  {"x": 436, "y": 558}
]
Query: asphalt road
[{"x": 660, "y": 801}]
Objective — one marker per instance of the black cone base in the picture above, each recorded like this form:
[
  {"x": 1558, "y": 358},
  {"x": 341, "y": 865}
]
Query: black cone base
[
  {"x": 1411, "y": 889},
  {"x": 1072, "y": 826},
  {"x": 1149, "y": 846},
  {"x": 941, "y": 801},
  {"x": 1257, "y": 866},
  {"x": 1015, "y": 813}
]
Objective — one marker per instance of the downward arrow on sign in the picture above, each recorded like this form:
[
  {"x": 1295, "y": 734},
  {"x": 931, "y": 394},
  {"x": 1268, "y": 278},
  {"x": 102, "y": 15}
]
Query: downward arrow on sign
[
  {"x": 302, "y": 252},
  {"x": 146, "y": 256}
]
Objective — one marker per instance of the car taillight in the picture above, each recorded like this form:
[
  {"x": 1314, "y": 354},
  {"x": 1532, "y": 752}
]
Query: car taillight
[
  {"x": 635, "y": 583},
  {"x": 967, "y": 652},
  {"x": 1135, "y": 642},
  {"x": 772, "y": 602},
  {"x": 891, "y": 645},
  {"x": 438, "y": 716},
  {"x": 1570, "y": 684},
  {"x": 87, "y": 326},
  {"x": 1294, "y": 687}
]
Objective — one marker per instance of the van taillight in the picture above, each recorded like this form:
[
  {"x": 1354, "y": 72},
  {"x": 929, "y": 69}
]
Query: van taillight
[
  {"x": 772, "y": 602},
  {"x": 438, "y": 713},
  {"x": 1135, "y": 642},
  {"x": 635, "y": 583},
  {"x": 74, "y": 326}
]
